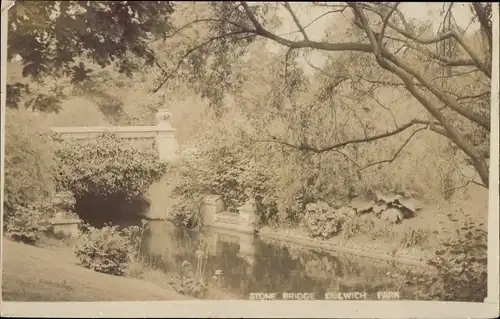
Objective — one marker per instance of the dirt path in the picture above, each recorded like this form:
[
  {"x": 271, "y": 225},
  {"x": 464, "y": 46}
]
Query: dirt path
[{"x": 40, "y": 274}]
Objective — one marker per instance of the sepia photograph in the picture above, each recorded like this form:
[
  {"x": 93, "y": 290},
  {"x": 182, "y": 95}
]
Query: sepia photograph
[{"x": 250, "y": 159}]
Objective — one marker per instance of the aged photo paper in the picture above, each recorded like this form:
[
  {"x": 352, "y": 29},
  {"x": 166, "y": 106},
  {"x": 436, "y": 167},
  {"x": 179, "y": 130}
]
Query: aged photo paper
[{"x": 250, "y": 159}]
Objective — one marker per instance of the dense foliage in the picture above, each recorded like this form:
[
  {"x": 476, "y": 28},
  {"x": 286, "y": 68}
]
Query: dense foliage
[
  {"x": 461, "y": 264},
  {"x": 109, "y": 249},
  {"x": 108, "y": 176},
  {"x": 29, "y": 162},
  {"x": 29, "y": 187},
  {"x": 107, "y": 165},
  {"x": 30, "y": 221},
  {"x": 27, "y": 224},
  {"x": 53, "y": 39},
  {"x": 233, "y": 173},
  {"x": 322, "y": 220},
  {"x": 189, "y": 282}
]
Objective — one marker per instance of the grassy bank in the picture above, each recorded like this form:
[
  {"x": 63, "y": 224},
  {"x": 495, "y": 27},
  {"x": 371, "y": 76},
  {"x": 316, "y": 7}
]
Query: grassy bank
[
  {"x": 413, "y": 241},
  {"x": 50, "y": 274}
]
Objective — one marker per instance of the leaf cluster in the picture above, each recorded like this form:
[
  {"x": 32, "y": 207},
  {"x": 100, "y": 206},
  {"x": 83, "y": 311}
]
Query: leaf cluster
[{"x": 53, "y": 39}]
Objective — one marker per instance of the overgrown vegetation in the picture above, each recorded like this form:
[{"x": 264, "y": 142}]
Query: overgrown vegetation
[
  {"x": 108, "y": 249},
  {"x": 106, "y": 169},
  {"x": 233, "y": 173},
  {"x": 461, "y": 264},
  {"x": 30, "y": 197},
  {"x": 107, "y": 165},
  {"x": 29, "y": 161}
]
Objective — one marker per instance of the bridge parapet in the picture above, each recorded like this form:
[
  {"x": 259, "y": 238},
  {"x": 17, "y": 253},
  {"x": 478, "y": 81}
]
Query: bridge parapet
[{"x": 163, "y": 133}]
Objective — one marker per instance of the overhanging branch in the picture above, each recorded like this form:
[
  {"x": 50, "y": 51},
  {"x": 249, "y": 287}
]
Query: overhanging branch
[
  {"x": 188, "y": 53},
  {"x": 306, "y": 147},
  {"x": 296, "y": 20},
  {"x": 400, "y": 149}
]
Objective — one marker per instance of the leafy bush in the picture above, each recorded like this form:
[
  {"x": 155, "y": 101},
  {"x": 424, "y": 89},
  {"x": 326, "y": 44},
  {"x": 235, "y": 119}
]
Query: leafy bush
[
  {"x": 30, "y": 168},
  {"x": 27, "y": 224},
  {"x": 351, "y": 225},
  {"x": 189, "y": 196},
  {"x": 108, "y": 175},
  {"x": 461, "y": 266},
  {"x": 231, "y": 173},
  {"x": 106, "y": 166},
  {"x": 64, "y": 201},
  {"x": 190, "y": 282},
  {"x": 322, "y": 220},
  {"x": 109, "y": 249},
  {"x": 393, "y": 208},
  {"x": 187, "y": 285},
  {"x": 29, "y": 164}
]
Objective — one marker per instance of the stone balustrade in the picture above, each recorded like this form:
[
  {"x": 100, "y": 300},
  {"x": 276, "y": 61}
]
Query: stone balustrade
[
  {"x": 163, "y": 133},
  {"x": 214, "y": 215}
]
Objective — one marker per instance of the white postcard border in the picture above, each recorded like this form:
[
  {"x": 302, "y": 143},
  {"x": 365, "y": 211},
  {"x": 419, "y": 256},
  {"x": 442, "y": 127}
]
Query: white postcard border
[{"x": 306, "y": 309}]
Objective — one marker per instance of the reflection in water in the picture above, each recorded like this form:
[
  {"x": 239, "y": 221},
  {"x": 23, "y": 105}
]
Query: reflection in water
[{"x": 249, "y": 264}]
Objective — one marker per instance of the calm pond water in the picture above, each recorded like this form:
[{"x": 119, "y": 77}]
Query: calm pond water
[{"x": 250, "y": 264}]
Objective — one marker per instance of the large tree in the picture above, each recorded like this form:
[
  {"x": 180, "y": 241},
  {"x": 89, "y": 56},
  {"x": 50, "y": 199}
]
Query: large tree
[
  {"x": 54, "y": 40},
  {"x": 407, "y": 54}
]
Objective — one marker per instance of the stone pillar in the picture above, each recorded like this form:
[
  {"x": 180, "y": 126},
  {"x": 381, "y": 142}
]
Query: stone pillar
[
  {"x": 65, "y": 226},
  {"x": 248, "y": 212},
  {"x": 211, "y": 206},
  {"x": 211, "y": 238},
  {"x": 166, "y": 138},
  {"x": 247, "y": 245}
]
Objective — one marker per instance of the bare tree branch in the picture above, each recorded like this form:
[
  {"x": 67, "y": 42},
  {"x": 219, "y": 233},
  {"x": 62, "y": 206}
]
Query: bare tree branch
[
  {"x": 384, "y": 24},
  {"x": 452, "y": 133},
  {"x": 470, "y": 114},
  {"x": 313, "y": 149},
  {"x": 483, "y": 20},
  {"x": 479, "y": 163},
  {"x": 464, "y": 185},
  {"x": 373, "y": 47},
  {"x": 326, "y": 46},
  {"x": 400, "y": 149},
  {"x": 451, "y": 103},
  {"x": 475, "y": 60},
  {"x": 296, "y": 20}
]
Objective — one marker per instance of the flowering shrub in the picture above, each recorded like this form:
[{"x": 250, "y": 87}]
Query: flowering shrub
[
  {"x": 109, "y": 249},
  {"x": 189, "y": 282}
]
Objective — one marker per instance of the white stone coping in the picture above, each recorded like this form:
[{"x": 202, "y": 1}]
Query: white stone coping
[
  {"x": 66, "y": 221},
  {"x": 111, "y": 129},
  {"x": 245, "y": 228},
  {"x": 212, "y": 199}
]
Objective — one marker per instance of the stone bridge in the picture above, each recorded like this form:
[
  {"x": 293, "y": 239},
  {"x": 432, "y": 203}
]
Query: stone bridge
[
  {"x": 159, "y": 194},
  {"x": 164, "y": 137}
]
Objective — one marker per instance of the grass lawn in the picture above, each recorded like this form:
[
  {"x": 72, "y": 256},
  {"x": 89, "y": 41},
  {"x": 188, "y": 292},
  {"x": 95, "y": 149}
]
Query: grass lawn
[{"x": 41, "y": 274}]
